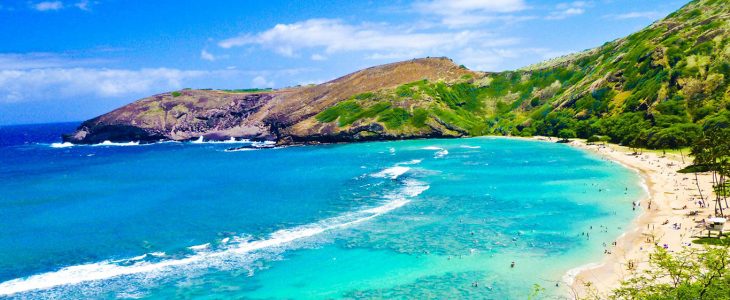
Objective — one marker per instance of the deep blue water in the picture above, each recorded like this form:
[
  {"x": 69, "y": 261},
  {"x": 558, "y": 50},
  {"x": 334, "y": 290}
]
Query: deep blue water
[{"x": 407, "y": 219}]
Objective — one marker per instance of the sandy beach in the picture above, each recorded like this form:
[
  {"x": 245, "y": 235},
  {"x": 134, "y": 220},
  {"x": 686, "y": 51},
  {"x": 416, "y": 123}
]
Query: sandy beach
[{"x": 665, "y": 220}]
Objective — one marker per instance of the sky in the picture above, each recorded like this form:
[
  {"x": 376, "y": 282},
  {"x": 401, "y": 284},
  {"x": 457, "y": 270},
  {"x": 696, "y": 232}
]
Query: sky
[{"x": 71, "y": 60}]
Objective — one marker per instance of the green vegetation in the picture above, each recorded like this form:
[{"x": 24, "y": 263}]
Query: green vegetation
[
  {"x": 693, "y": 273},
  {"x": 176, "y": 94},
  {"x": 656, "y": 89},
  {"x": 711, "y": 152},
  {"x": 724, "y": 241}
]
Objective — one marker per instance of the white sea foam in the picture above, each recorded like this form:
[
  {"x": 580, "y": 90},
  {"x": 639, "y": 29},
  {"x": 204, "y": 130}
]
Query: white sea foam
[
  {"x": 104, "y": 143},
  {"x": 410, "y": 162},
  {"x": 470, "y": 147},
  {"x": 569, "y": 277},
  {"x": 240, "y": 246},
  {"x": 199, "y": 247},
  {"x": 264, "y": 144},
  {"x": 62, "y": 145},
  {"x": 240, "y": 149},
  {"x": 141, "y": 257},
  {"x": 110, "y": 143},
  {"x": 432, "y": 148},
  {"x": 392, "y": 172},
  {"x": 440, "y": 152},
  {"x": 231, "y": 140}
]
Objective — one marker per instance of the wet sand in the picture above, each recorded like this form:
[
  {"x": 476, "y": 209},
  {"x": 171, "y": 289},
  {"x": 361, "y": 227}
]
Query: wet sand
[{"x": 665, "y": 220}]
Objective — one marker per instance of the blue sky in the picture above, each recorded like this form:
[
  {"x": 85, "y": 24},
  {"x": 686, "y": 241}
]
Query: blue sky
[{"x": 70, "y": 60}]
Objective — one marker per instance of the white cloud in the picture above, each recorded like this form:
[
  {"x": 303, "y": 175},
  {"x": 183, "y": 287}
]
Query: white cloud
[
  {"x": 318, "y": 57},
  {"x": 28, "y": 77},
  {"x": 48, "y": 5},
  {"x": 58, "y": 5},
  {"x": 312, "y": 81},
  {"x": 635, "y": 15},
  {"x": 55, "y": 83},
  {"x": 21, "y": 61},
  {"x": 335, "y": 36},
  {"x": 493, "y": 59},
  {"x": 465, "y": 13},
  {"x": 204, "y": 54},
  {"x": 565, "y": 10},
  {"x": 460, "y": 6},
  {"x": 261, "y": 82},
  {"x": 83, "y": 5}
]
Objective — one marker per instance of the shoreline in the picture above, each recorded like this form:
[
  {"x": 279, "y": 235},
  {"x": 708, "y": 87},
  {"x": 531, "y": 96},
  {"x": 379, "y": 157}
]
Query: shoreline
[{"x": 669, "y": 199}]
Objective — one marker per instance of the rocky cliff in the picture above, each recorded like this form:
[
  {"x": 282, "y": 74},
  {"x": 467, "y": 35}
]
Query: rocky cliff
[{"x": 281, "y": 115}]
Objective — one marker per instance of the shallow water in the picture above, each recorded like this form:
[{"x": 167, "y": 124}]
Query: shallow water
[{"x": 407, "y": 219}]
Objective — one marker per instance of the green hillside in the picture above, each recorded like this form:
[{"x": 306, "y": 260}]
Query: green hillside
[{"x": 656, "y": 88}]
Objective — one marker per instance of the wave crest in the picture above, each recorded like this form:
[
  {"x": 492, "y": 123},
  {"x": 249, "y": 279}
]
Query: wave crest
[{"x": 204, "y": 255}]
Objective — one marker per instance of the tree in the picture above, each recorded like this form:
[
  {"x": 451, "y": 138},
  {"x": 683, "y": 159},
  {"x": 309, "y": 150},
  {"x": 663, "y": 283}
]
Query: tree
[
  {"x": 693, "y": 273},
  {"x": 592, "y": 139},
  {"x": 566, "y": 134},
  {"x": 712, "y": 149}
]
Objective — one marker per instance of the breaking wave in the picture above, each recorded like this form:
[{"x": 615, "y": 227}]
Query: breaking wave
[{"x": 208, "y": 255}]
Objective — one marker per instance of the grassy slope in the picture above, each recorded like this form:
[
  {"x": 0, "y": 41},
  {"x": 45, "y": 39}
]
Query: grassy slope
[{"x": 654, "y": 88}]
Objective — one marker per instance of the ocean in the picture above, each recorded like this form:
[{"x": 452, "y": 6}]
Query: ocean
[{"x": 442, "y": 218}]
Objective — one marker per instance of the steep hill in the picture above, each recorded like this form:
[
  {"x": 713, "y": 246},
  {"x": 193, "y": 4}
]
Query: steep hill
[
  {"x": 654, "y": 88},
  {"x": 267, "y": 115}
]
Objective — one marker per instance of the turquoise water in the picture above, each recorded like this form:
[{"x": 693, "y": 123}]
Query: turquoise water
[{"x": 407, "y": 219}]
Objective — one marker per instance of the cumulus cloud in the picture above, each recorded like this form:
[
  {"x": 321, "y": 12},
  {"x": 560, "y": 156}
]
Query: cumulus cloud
[
  {"x": 565, "y": 10},
  {"x": 635, "y": 15},
  {"x": 43, "y": 76},
  {"x": 59, "y": 5},
  {"x": 464, "y": 13},
  {"x": 204, "y": 54},
  {"x": 493, "y": 58},
  {"x": 261, "y": 82},
  {"x": 439, "y": 6},
  {"x": 318, "y": 57},
  {"x": 50, "y": 83},
  {"x": 21, "y": 61},
  {"x": 333, "y": 36},
  {"x": 48, "y": 5},
  {"x": 83, "y": 5}
]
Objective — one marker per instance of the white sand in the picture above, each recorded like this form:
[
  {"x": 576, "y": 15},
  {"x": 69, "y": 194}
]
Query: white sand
[{"x": 672, "y": 196}]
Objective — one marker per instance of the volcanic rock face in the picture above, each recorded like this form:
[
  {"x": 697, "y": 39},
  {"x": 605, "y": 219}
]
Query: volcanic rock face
[{"x": 282, "y": 115}]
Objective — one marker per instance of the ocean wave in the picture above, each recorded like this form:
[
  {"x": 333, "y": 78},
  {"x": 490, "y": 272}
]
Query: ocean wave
[
  {"x": 205, "y": 259},
  {"x": 440, "y": 152},
  {"x": 432, "y": 148},
  {"x": 200, "y": 247},
  {"x": 62, "y": 145},
  {"x": 572, "y": 274},
  {"x": 392, "y": 172},
  {"x": 110, "y": 143},
  {"x": 470, "y": 147},
  {"x": 231, "y": 140},
  {"x": 264, "y": 144},
  {"x": 240, "y": 149}
]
